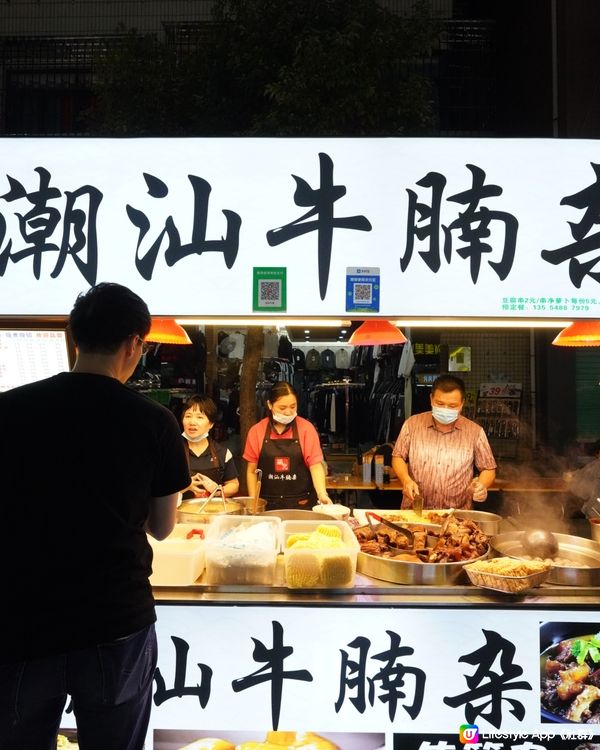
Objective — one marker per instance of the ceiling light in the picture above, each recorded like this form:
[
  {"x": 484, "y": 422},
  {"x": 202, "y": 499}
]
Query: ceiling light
[
  {"x": 373, "y": 332},
  {"x": 580, "y": 333},
  {"x": 167, "y": 331},
  {"x": 262, "y": 321}
]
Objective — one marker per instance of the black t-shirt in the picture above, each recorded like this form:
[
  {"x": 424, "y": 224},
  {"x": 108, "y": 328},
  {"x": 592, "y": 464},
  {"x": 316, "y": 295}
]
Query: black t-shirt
[
  {"x": 80, "y": 457},
  {"x": 220, "y": 470}
]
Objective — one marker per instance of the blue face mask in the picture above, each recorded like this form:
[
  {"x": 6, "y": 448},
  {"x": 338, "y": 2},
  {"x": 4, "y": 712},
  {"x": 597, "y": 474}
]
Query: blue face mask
[
  {"x": 196, "y": 439},
  {"x": 443, "y": 415}
]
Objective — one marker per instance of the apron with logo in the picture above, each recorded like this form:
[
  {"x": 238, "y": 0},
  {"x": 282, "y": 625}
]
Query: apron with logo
[{"x": 286, "y": 480}]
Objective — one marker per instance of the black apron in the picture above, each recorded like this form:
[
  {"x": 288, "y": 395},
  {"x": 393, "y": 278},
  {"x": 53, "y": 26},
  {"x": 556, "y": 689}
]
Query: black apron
[
  {"x": 215, "y": 472},
  {"x": 286, "y": 480}
]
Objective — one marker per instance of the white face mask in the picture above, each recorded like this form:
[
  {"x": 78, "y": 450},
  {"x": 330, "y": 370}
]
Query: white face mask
[
  {"x": 195, "y": 439},
  {"x": 443, "y": 415},
  {"x": 284, "y": 418}
]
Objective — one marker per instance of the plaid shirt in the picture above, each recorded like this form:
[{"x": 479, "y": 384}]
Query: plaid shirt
[{"x": 441, "y": 463}]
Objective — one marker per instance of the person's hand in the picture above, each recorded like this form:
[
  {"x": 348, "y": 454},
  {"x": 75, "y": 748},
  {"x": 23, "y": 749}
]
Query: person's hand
[
  {"x": 479, "y": 491},
  {"x": 209, "y": 484},
  {"x": 409, "y": 489},
  {"x": 325, "y": 500}
]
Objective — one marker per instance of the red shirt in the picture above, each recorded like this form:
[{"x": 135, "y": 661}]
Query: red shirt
[{"x": 307, "y": 435}]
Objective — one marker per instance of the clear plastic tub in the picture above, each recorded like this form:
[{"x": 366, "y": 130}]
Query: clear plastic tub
[
  {"x": 311, "y": 562},
  {"x": 178, "y": 560},
  {"x": 242, "y": 550}
]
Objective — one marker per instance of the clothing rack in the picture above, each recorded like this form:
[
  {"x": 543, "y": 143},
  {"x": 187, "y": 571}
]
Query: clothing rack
[{"x": 346, "y": 385}]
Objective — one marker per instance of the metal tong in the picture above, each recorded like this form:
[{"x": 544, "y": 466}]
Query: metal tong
[
  {"x": 206, "y": 500},
  {"x": 406, "y": 532}
]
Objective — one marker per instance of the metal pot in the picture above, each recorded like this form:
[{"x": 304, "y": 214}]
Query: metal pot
[
  {"x": 248, "y": 505},
  {"x": 402, "y": 571},
  {"x": 194, "y": 512},
  {"x": 293, "y": 514},
  {"x": 573, "y": 548}
]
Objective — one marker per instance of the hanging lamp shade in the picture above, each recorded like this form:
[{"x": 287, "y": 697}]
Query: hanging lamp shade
[
  {"x": 579, "y": 333},
  {"x": 373, "y": 332},
  {"x": 167, "y": 331}
]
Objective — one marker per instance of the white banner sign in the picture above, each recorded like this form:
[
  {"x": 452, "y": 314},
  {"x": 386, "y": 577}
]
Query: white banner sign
[
  {"x": 357, "y": 670},
  {"x": 466, "y": 227}
]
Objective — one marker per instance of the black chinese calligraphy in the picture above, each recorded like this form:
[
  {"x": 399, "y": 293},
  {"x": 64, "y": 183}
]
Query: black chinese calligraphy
[
  {"x": 389, "y": 679},
  {"x": 175, "y": 250},
  {"x": 588, "y": 199},
  {"x": 75, "y": 222},
  {"x": 321, "y": 199},
  {"x": 273, "y": 671},
  {"x": 201, "y": 690},
  {"x": 473, "y": 226},
  {"x": 485, "y": 683}
]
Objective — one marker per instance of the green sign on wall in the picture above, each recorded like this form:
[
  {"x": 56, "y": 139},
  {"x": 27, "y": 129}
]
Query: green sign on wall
[{"x": 269, "y": 289}]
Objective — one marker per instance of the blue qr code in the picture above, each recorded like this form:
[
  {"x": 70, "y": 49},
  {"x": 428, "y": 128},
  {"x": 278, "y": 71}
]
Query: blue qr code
[
  {"x": 269, "y": 292},
  {"x": 362, "y": 293}
]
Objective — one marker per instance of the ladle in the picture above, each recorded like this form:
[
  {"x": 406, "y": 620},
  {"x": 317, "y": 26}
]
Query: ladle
[{"x": 539, "y": 543}]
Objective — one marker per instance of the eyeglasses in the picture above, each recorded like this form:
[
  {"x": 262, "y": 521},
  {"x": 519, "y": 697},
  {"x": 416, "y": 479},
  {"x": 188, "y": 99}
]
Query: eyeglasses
[{"x": 145, "y": 345}]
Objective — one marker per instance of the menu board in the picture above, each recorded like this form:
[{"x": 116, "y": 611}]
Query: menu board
[{"x": 29, "y": 355}]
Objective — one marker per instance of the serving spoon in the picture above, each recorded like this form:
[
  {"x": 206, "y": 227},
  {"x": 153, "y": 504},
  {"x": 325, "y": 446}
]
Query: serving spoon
[{"x": 539, "y": 543}]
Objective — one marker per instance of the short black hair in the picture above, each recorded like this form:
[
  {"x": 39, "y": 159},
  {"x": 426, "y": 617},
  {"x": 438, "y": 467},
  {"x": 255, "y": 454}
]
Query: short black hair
[
  {"x": 202, "y": 403},
  {"x": 447, "y": 383},
  {"x": 105, "y": 316}
]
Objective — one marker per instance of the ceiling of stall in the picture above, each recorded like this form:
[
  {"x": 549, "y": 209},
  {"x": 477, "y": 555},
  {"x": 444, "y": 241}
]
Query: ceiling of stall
[{"x": 297, "y": 334}]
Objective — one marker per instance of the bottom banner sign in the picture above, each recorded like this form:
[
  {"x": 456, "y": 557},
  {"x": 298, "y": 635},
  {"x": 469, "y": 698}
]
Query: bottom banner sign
[{"x": 367, "y": 677}]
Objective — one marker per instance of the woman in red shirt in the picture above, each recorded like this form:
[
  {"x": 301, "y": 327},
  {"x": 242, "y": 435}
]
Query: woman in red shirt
[{"x": 286, "y": 448}]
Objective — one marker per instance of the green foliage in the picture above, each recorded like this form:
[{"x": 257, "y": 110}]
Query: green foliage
[{"x": 275, "y": 67}]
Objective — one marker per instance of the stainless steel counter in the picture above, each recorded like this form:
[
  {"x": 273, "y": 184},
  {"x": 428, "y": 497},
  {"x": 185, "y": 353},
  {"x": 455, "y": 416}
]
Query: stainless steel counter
[{"x": 373, "y": 593}]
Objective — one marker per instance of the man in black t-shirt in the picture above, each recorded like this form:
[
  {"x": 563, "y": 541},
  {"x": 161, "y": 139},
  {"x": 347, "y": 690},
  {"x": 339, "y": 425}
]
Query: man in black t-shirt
[{"x": 87, "y": 468}]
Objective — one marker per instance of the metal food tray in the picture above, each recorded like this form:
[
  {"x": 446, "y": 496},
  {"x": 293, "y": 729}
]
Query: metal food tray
[
  {"x": 489, "y": 523},
  {"x": 574, "y": 548},
  {"x": 402, "y": 571}
]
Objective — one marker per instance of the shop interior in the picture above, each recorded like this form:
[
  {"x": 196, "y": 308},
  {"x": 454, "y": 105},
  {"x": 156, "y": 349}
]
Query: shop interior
[{"x": 538, "y": 403}]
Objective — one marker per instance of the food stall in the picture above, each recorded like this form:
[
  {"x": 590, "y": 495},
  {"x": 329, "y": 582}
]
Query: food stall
[{"x": 373, "y": 662}]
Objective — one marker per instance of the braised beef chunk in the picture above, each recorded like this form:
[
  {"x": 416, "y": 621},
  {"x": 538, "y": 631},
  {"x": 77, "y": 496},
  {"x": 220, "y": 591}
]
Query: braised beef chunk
[{"x": 570, "y": 684}]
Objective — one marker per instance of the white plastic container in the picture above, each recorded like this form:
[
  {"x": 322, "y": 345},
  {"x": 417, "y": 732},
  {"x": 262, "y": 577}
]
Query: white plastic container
[
  {"x": 242, "y": 550},
  {"x": 178, "y": 560},
  {"x": 309, "y": 567}
]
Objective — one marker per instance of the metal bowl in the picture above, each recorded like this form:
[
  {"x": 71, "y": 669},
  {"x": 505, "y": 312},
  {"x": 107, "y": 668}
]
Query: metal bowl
[
  {"x": 205, "y": 513},
  {"x": 576, "y": 549},
  {"x": 293, "y": 514},
  {"x": 402, "y": 571},
  {"x": 489, "y": 523}
]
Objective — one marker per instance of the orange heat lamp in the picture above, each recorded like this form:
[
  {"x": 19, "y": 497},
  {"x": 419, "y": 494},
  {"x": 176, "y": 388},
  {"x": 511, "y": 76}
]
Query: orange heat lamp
[
  {"x": 579, "y": 333},
  {"x": 167, "y": 331},
  {"x": 373, "y": 332}
]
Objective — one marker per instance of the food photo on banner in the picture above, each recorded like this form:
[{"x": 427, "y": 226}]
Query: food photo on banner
[
  {"x": 570, "y": 672},
  {"x": 499, "y": 741},
  {"x": 224, "y": 739}
]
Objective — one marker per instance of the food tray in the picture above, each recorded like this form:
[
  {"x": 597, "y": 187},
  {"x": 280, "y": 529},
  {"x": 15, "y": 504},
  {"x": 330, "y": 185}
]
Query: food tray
[
  {"x": 242, "y": 550},
  {"x": 584, "y": 555},
  {"x": 178, "y": 560},
  {"x": 489, "y": 523},
  {"x": 506, "y": 584},
  {"x": 319, "y": 568},
  {"x": 412, "y": 573}
]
